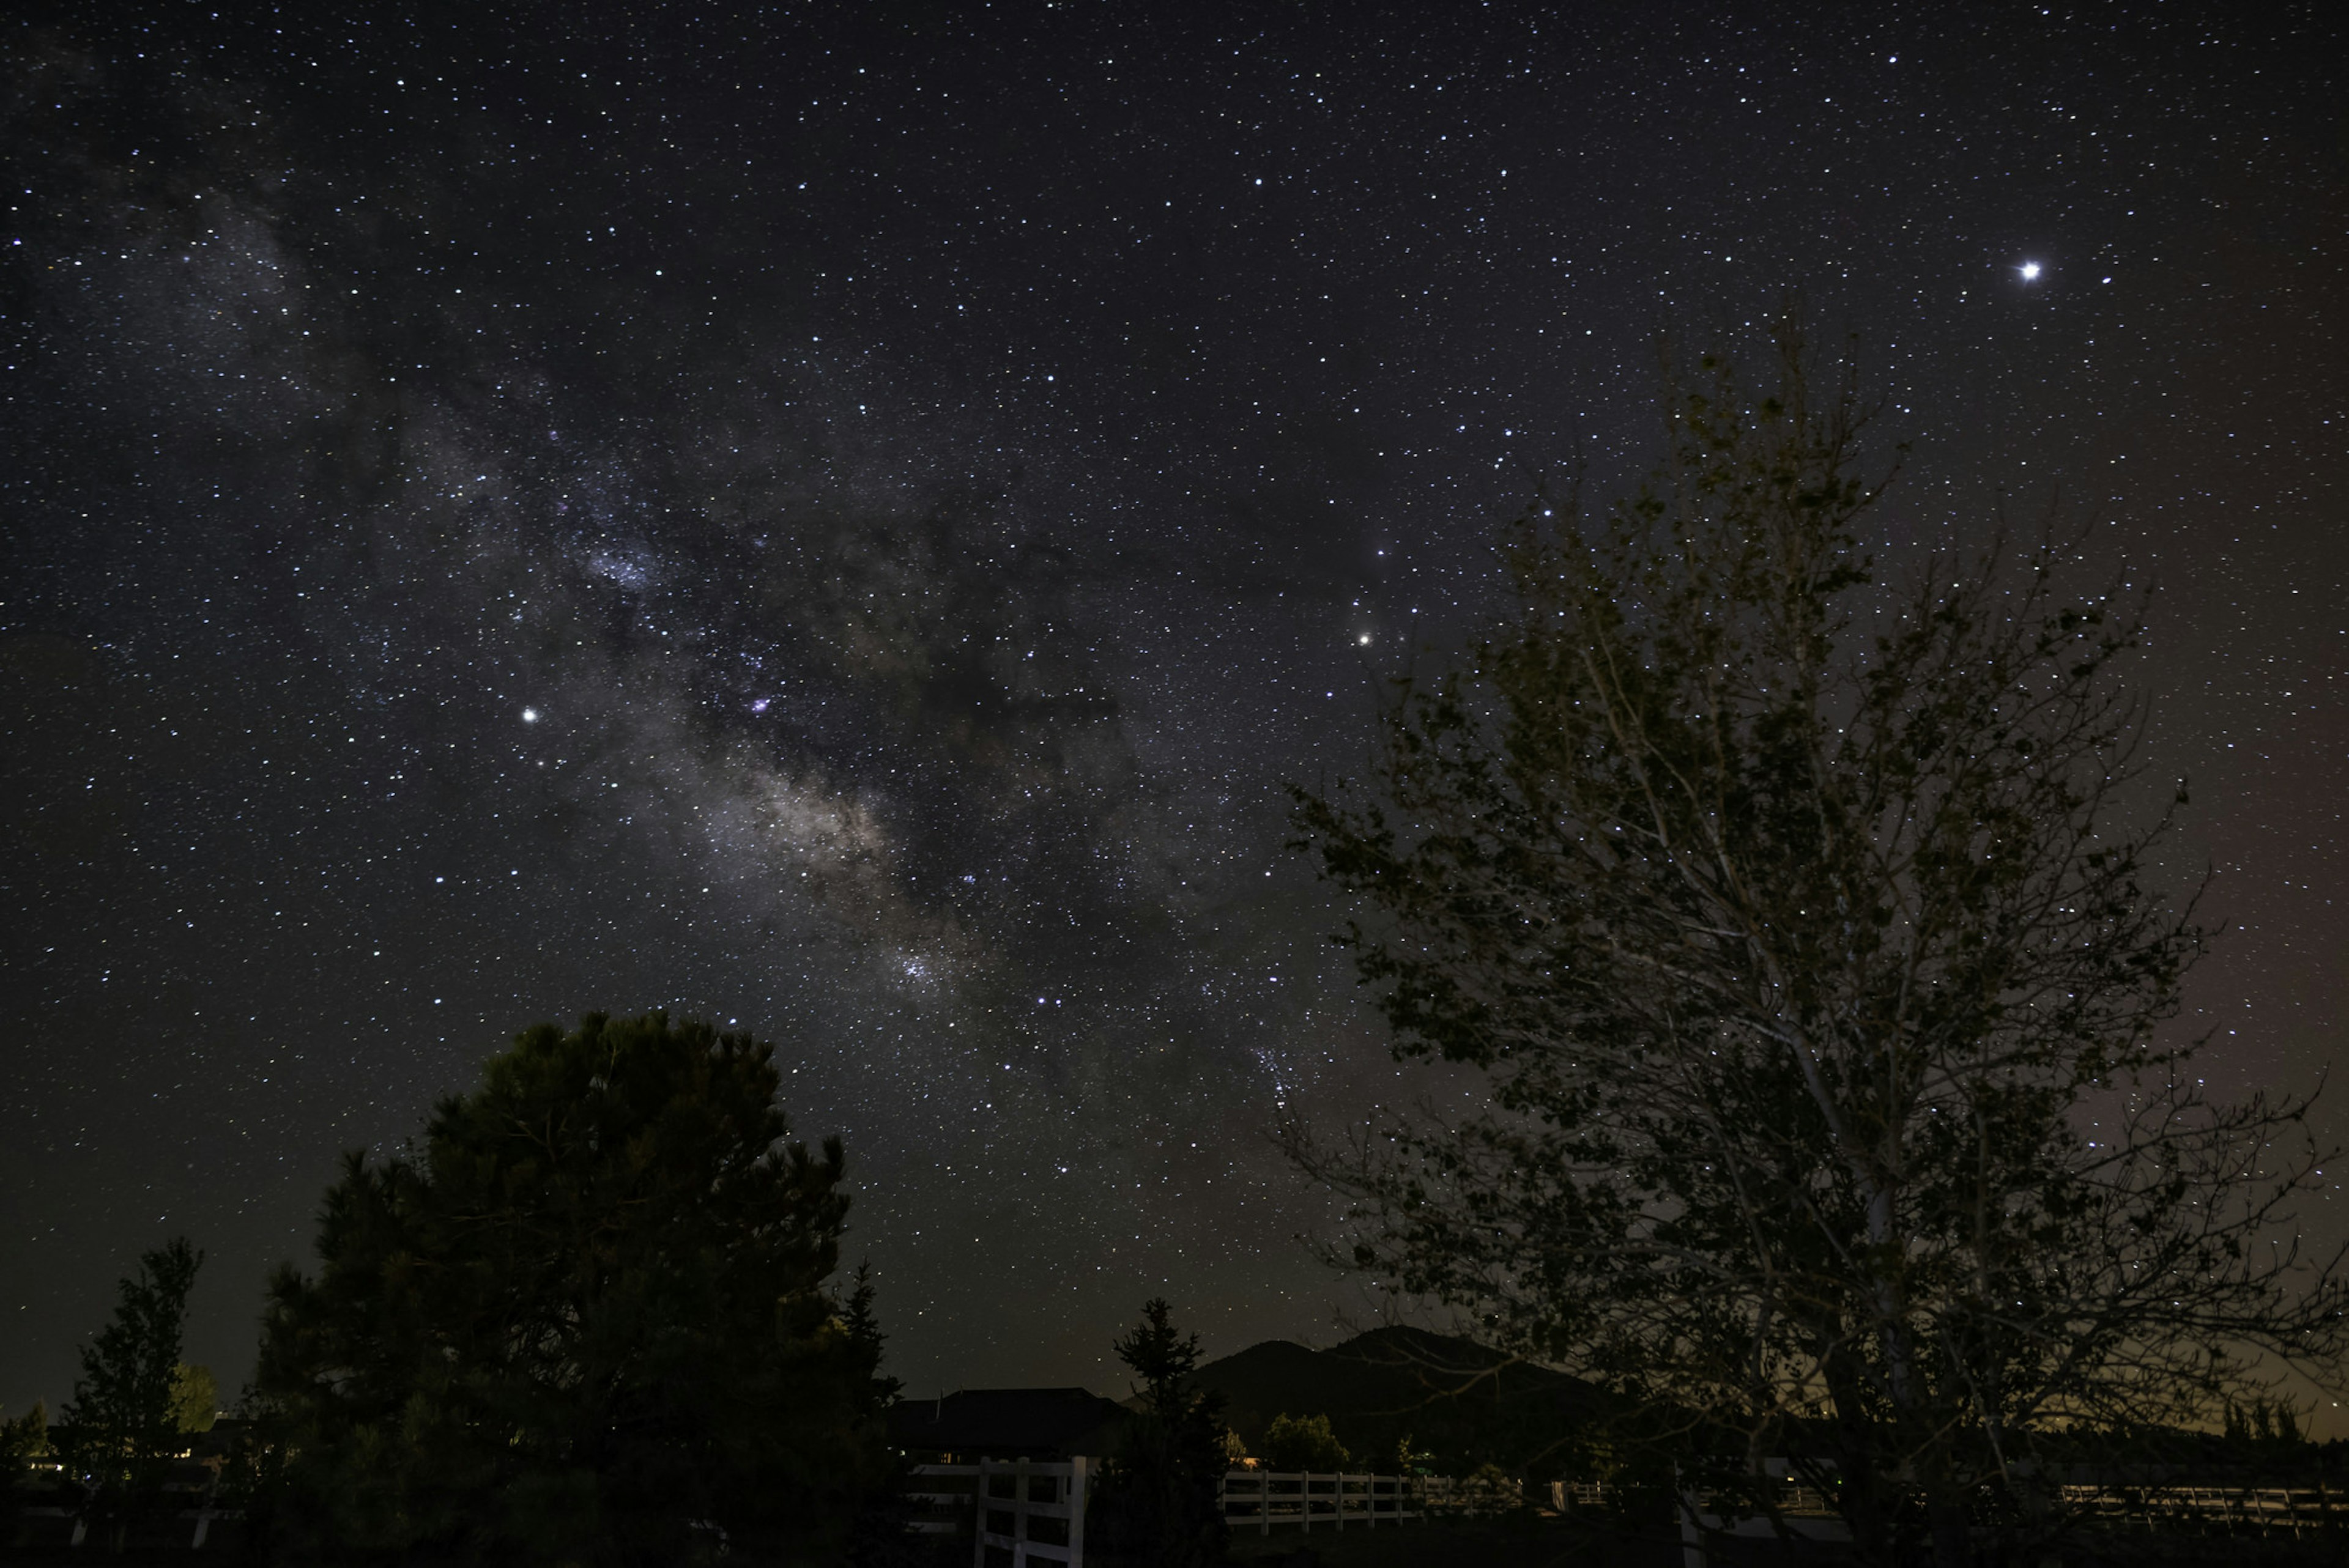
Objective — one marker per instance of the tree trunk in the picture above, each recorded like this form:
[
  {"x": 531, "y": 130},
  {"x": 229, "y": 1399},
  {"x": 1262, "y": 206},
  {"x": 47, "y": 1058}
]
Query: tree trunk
[
  {"x": 1862, "y": 1500},
  {"x": 1953, "y": 1536}
]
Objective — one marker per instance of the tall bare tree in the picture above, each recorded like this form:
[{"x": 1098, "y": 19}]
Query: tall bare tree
[{"x": 1799, "y": 923}]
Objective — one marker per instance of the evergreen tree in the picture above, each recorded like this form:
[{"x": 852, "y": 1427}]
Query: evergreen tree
[
  {"x": 864, "y": 1327},
  {"x": 122, "y": 1424},
  {"x": 882, "y": 1535},
  {"x": 583, "y": 1319},
  {"x": 1159, "y": 1502}
]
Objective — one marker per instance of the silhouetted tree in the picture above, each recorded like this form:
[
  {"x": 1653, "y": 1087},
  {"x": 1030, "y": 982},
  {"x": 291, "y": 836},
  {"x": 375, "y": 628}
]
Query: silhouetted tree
[
  {"x": 864, "y": 1327},
  {"x": 882, "y": 1535},
  {"x": 584, "y": 1320},
  {"x": 1798, "y": 923},
  {"x": 1158, "y": 1502},
  {"x": 122, "y": 1428}
]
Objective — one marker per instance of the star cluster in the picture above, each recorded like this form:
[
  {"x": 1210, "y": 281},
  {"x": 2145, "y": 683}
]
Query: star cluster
[{"x": 844, "y": 521}]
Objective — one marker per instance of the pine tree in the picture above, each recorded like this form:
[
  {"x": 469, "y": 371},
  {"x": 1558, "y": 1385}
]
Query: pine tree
[
  {"x": 584, "y": 1319},
  {"x": 864, "y": 1327},
  {"x": 1159, "y": 1505}
]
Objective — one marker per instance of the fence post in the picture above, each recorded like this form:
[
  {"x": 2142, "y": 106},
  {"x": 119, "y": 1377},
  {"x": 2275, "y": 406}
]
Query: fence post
[
  {"x": 1020, "y": 1488},
  {"x": 978, "y": 1518}
]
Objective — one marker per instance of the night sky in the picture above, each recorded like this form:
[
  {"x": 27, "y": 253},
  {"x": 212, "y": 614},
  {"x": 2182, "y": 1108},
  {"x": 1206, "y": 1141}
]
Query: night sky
[{"x": 846, "y": 519}]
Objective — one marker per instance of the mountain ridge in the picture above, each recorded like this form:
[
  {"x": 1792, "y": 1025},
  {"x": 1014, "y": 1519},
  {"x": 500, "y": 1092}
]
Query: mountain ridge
[{"x": 1465, "y": 1403}]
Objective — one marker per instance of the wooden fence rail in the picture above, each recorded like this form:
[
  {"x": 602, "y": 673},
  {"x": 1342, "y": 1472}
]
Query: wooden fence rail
[
  {"x": 2210, "y": 1510},
  {"x": 1021, "y": 1511},
  {"x": 1261, "y": 1500},
  {"x": 1027, "y": 1512}
]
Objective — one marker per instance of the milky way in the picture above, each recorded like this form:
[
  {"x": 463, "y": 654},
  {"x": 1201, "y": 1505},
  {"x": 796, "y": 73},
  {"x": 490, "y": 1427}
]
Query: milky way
[{"x": 847, "y": 525}]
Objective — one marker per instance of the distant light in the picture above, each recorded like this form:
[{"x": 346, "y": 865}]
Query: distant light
[
  {"x": 2030, "y": 271},
  {"x": 1364, "y": 639},
  {"x": 530, "y": 715}
]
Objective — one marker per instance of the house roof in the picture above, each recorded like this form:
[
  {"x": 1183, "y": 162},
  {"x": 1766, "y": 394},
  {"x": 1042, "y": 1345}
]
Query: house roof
[{"x": 1008, "y": 1422}]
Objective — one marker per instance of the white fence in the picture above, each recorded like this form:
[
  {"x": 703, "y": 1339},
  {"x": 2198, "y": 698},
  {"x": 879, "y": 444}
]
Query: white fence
[
  {"x": 1023, "y": 1511},
  {"x": 1262, "y": 1500},
  {"x": 2204, "y": 1511},
  {"x": 2208, "y": 1509}
]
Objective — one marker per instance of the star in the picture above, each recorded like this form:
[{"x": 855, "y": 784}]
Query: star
[{"x": 670, "y": 495}]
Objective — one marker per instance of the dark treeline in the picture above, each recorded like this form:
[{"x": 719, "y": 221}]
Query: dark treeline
[{"x": 592, "y": 1314}]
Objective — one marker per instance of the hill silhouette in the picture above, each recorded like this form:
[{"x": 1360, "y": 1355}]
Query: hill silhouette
[{"x": 1456, "y": 1399}]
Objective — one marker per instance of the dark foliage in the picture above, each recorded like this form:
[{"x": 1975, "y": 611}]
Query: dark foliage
[
  {"x": 122, "y": 1429},
  {"x": 1157, "y": 1506},
  {"x": 583, "y": 1320},
  {"x": 881, "y": 1535},
  {"x": 24, "y": 1439},
  {"x": 1799, "y": 923},
  {"x": 1304, "y": 1443}
]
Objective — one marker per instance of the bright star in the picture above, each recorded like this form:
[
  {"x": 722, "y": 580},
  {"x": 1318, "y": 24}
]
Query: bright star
[
  {"x": 530, "y": 715},
  {"x": 2030, "y": 271},
  {"x": 1364, "y": 639}
]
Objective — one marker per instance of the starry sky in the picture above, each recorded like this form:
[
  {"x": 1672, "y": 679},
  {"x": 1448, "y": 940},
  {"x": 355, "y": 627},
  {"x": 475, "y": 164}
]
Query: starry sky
[{"x": 843, "y": 520}]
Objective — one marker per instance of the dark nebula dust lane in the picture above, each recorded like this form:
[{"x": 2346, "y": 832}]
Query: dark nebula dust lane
[{"x": 844, "y": 521}]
